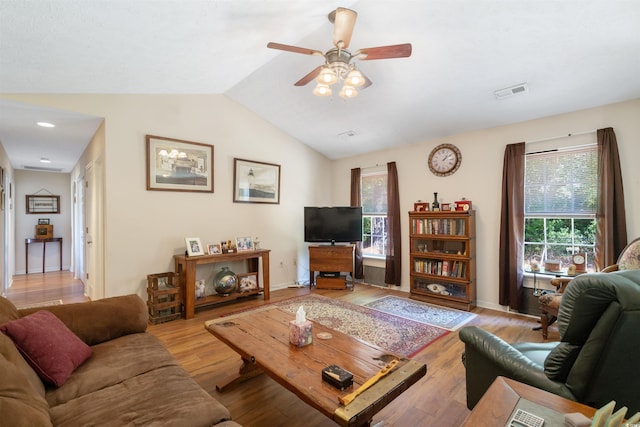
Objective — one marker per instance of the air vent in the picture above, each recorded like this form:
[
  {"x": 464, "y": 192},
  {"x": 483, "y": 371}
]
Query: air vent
[
  {"x": 42, "y": 169},
  {"x": 511, "y": 91}
]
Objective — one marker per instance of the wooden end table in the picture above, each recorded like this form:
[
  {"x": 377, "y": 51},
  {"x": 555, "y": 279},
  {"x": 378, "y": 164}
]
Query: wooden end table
[
  {"x": 497, "y": 404},
  {"x": 261, "y": 338}
]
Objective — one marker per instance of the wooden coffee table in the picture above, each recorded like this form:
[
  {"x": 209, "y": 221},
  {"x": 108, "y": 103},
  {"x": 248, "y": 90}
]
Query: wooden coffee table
[{"x": 261, "y": 338}]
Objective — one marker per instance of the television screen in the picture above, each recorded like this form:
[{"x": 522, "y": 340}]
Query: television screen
[{"x": 333, "y": 224}]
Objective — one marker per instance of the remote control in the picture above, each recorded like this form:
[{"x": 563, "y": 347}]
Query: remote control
[{"x": 526, "y": 419}]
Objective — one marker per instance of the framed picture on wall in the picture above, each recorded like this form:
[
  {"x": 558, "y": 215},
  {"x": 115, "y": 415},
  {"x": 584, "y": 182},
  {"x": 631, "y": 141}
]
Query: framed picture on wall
[
  {"x": 177, "y": 165},
  {"x": 255, "y": 182}
]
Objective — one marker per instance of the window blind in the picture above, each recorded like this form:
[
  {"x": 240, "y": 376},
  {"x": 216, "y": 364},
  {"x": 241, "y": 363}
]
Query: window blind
[{"x": 561, "y": 183}]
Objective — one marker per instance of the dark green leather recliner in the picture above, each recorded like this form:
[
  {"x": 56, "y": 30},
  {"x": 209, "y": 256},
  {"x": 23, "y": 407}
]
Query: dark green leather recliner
[{"x": 597, "y": 359}]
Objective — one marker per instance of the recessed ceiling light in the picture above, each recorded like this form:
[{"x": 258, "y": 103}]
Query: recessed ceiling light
[
  {"x": 44, "y": 160},
  {"x": 46, "y": 124}
]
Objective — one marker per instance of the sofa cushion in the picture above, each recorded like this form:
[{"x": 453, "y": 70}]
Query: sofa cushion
[
  {"x": 20, "y": 403},
  {"x": 102, "y": 320},
  {"x": 51, "y": 349},
  {"x": 162, "y": 397},
  {"x": 111, "y": 363}
]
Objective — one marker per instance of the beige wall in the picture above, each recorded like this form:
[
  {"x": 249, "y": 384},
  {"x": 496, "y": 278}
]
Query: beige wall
[
  {"x": 144, "y": 229},
  {"x": 480, "y": 175},
  {"x": 43, "y": 184}
]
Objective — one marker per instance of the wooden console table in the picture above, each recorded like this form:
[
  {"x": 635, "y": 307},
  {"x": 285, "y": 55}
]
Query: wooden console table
[
  {"x": 44, "y": 242},
  {"x": 185, "y": 266},
  {"x": 331, "y": 258}
]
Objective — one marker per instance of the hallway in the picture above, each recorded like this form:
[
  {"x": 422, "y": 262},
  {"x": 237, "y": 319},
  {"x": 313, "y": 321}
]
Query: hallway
[{"x": 41, "y": 287}]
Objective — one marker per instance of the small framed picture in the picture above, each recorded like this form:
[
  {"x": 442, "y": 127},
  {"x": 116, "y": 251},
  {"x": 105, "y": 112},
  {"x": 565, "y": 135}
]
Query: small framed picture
[
  {"x": 244, "y": 244},
  {"x": 446, "y": 206},
  {"x": 420, "y": 207},
  {"x": 248, "y": 282},
  {"x": 194, "y": 247},
  {"x": 43, "y": 221},
  {"x": 214, "y": 249}
]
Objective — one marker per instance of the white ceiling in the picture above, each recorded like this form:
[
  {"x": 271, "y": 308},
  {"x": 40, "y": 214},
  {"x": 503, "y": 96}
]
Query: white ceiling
[{"x": 573, "y": 54}]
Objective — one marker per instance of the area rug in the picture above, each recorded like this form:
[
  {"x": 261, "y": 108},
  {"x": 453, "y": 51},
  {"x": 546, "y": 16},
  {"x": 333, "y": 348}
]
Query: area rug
[
  {"x": 442, "y": 317},
  {"x": 41, "y": 304},
  {"x": 395, "y": 334}
]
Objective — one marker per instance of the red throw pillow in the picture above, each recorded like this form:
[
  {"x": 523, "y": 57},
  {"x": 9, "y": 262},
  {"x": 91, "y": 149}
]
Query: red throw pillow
[{"x": 51, "y": 349}]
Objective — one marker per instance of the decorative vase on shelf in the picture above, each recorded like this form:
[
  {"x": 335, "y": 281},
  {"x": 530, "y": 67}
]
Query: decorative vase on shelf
[
  {"x": 225, "y": 282},
  {"x": 435, "y": 206}
]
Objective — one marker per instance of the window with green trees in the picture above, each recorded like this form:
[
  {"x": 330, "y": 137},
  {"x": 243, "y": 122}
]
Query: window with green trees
[
  {"x": 560, "y": 205},
  {"x": 374, "y": 213}
]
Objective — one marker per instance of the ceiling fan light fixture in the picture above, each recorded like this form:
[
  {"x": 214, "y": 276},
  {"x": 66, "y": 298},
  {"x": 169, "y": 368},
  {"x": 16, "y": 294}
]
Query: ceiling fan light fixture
[
  {"x": 354, "y": 78},
  {"x": 348, "y": 92},
  {"x": 327, "y": 76},
  {"x": 322, "y": 89}
]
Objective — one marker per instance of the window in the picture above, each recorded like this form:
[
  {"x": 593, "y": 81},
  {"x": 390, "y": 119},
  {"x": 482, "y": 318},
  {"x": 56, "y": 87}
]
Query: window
[
  {"x": 560, "y": 205},
  {"x": 374, "y": 214}
]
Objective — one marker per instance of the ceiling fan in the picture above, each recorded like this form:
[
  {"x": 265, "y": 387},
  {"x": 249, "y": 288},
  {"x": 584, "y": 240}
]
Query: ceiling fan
[{"x": 338, "y": 65}]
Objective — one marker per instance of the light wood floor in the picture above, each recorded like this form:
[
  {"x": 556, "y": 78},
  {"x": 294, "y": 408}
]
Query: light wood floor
[{"x": 438, "y": 399}]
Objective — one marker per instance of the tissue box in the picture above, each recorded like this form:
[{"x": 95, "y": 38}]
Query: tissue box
[{"x": 300, "y": 334}]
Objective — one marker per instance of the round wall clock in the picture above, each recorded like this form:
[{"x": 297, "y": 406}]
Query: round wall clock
[{"x": 444, "y": 160}]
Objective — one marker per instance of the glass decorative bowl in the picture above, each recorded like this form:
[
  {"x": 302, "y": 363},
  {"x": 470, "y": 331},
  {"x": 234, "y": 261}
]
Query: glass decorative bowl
[{"x": 225, "y": 282}]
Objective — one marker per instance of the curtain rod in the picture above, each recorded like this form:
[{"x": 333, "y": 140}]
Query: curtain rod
[
  {"x": 377, "y": 165},
  {"x": 560, "y": 136}
]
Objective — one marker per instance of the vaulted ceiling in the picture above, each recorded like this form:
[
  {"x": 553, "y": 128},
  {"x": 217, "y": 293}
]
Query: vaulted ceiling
[{"x": 571, "y": 54}]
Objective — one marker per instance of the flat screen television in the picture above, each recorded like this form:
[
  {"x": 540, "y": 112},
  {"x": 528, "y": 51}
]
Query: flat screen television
[{"x": 332, "y": 224}]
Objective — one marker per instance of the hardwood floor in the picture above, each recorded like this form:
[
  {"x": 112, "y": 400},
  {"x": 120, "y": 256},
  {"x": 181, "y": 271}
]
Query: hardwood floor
[
  {"x": 438, "y": 399},
  {"x": 41, "y": 287}
]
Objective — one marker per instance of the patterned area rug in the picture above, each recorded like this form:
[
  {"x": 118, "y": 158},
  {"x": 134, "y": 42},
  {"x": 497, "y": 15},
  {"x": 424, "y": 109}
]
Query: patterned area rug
[
  {"x": 442, "y": 317},
  {"x": 392, "y": 333},
  {"x": 41, "y": 304}
]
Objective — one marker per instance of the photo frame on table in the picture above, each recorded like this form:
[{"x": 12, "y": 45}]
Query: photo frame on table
[
  {"x": 178, "y": 165},
  {"x": 214, "y": 249},
  {"x": 194, "y": 246},
  {"x": 244, "y": 244},
  {"x": 248, "y": 282},
  {"x": 420, "y": 207},
  {"x": 255, "y": 182}
]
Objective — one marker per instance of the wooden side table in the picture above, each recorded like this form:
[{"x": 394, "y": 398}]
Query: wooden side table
[
  {"x": 44, "y": 242},
  {"x": 497, "y": 404}
]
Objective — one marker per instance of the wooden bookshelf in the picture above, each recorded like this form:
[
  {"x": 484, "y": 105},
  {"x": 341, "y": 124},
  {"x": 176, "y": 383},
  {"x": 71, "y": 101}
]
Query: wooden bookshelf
[{"x": 442, "y": 258}]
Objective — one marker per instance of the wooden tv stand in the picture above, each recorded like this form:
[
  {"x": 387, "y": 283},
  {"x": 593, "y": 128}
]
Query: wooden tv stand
[{"x": 331, "y": 258}]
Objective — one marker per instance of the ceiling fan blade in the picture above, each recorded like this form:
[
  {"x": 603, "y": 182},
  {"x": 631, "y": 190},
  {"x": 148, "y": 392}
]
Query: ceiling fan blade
[
  {"x": 344, "y": 21},
  {"x": 306, "y": 79},
  {"x": 384, "y": 52},
  {"x": 294, "y": 49}
]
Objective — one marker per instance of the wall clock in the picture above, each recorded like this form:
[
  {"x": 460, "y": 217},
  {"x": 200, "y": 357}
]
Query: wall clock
[{"x": 444, "y": 160}]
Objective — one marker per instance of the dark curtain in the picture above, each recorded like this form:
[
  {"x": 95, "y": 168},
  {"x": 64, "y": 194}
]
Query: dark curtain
[
  {"x": 394, "y": 252},
  {"x": 512, "y": 227},
  {"x": 356, "y": 200},
  {"x": 611, "y": 225}
]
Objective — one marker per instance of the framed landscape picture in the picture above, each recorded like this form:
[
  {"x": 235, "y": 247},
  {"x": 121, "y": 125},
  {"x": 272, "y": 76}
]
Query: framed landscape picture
[
  {"x": 255, "y": 182},
  {"x": 177, "y": 165}
]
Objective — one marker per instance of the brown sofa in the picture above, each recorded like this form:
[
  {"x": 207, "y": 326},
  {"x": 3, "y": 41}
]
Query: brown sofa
[{"x": 128, "y": 379}]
